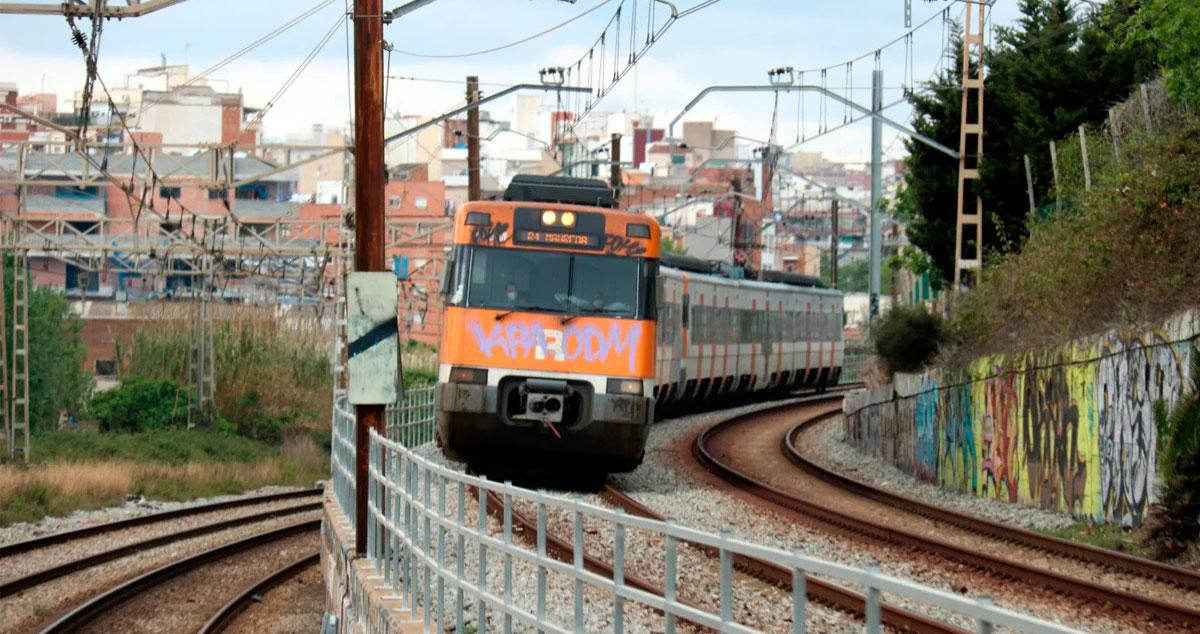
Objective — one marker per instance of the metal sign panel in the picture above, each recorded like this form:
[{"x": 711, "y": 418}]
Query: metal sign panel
[{"x": 373, "y": 335}]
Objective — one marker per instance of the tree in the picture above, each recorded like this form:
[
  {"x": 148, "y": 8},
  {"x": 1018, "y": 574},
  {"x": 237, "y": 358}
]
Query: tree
[
  {"x": 1046, "y": 75},
  {"x": 57, "y": 380},
  {"x": 1170, "y": 28}
]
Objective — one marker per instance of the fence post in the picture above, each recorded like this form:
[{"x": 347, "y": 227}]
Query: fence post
[
  {"x": 799, "y": 598},
  {"x": 1029, "y": 185},
  {"x": 1054, "y": 167},
  {"x": 726, "y": 574},
  {"x": 983, "y": 626},
  {"x": 669, "y": 585},
  {"x": 1114, "y": 133},
  {"x": 1087, "y": 169},
  {"x": 872, "y": 615},
  {"x": 1146, "y": 108}
]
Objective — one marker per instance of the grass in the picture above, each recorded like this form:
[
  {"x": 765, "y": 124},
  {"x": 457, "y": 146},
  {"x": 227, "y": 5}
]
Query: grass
[
  {"x": 93, "y": 470},
  {"x": 1107, "y": 536}
]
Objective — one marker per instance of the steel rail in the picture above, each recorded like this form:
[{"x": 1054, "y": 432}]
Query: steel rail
[
  {"x": 1122, "y": 562},
  {"x": 49, "y": 574},
  {"x": 55, "y": 539},
  {"x": 224, "y": 617},
  {"x": 899, "y": 536},
  {"x": 780, "y": 577},
  {"x": 95, "y": 607}
]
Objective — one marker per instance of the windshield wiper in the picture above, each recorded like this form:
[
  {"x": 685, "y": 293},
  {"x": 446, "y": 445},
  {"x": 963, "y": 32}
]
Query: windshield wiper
[
  {"x": 548, "y": 309},
  {"x": 593, "y": 311}
]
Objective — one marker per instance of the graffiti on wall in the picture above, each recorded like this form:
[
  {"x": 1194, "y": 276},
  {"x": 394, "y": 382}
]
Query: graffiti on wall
[{"x": 1070, "y": 429}]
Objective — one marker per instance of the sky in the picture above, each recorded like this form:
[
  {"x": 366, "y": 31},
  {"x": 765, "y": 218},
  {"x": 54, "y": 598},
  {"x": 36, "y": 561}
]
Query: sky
[{"x": 728, "y": 42}]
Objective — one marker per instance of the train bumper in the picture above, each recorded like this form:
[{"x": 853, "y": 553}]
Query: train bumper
[{"x": 613, "y": 431}]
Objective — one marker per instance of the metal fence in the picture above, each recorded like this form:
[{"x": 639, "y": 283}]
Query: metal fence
[
  {"x": 431, "y": 540},
  {"x": 856, "y": 362},
  {"x": 409, "y": 422}
]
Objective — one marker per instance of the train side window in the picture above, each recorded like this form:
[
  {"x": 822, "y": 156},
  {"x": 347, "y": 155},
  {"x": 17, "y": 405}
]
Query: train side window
[{"x": 687, "y": 305}]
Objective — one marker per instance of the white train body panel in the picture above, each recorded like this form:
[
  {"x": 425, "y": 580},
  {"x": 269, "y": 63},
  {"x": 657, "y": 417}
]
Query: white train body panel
[{"x": 720, "y": 337}]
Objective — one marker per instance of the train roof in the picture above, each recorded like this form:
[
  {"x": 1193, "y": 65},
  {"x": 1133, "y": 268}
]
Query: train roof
[
  {"x": 720, "y": 274},
  {"x": 559, "y": 189}
]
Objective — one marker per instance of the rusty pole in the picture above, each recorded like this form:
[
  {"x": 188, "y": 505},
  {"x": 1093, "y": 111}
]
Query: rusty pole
[
  {"x": 473, "y": 189},
  {"x": 368, "y": 214},
  {"x": 614, "y": 177}
]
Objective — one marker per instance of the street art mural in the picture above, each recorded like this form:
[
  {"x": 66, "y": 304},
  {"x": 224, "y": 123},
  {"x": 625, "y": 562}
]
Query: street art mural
[{"x": 1069, "y": 429}]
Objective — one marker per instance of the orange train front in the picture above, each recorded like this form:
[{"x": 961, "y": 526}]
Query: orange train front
[
  {"x": 563, "y": 336},
  {"x": 548, "y": 335}
]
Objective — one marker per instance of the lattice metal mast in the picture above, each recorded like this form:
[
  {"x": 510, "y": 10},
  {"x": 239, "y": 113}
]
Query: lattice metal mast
[{"x": 969, "y": 217}]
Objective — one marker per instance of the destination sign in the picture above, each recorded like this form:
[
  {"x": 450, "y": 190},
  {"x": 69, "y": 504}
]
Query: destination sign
[{"x": 558, "y": 238}]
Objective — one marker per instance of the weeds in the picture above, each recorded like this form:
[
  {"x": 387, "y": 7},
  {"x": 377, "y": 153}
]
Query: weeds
[
  {"x": 94, "y": 470},
  {"x": 1125, "y": 255}
]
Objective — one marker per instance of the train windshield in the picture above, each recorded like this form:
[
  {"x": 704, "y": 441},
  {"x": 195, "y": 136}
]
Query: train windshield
[{"x": 556, "y": 282}]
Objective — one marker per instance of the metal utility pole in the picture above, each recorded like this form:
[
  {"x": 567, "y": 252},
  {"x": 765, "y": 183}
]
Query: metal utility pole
[
  {"x": 614, "y": 176},
  {"x": 876, "y": 186},
  {"x": 473, "y": 189},
  {"x": 970, "y": 140},
  {"x": 368, "y": 215},
  {"x": 833, "y": 243}
]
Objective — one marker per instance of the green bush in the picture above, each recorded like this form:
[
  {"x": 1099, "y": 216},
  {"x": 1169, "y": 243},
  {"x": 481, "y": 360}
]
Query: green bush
[
  {"x": 419, "y": 377},
  {"x": 906, "y": 337},
  {"x": 1177, "y": 512},
  {"x": 141, "y": 404}
]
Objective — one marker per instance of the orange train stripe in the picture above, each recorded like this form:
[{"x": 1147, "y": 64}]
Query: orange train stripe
[{"x": 725, "y": 346}]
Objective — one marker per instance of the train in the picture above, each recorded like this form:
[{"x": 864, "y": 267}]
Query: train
[{"x": 567, "y": 332}]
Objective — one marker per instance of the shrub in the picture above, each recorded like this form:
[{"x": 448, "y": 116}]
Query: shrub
[
  {"x": 1177, "y": 513},
  {"x": 141, "y": 404},
  {"x": 906, "y": 337},
  {"x": 271, "y": 371},
  {"x": 415, "y": 377}
]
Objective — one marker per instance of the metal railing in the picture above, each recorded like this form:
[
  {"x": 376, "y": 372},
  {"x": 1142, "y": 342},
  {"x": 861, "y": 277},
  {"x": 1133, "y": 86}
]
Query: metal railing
[
  {"x": 409, "y": 422},
  {"x": 856, "y": 361},
  {"x": 431, "y": 540}
]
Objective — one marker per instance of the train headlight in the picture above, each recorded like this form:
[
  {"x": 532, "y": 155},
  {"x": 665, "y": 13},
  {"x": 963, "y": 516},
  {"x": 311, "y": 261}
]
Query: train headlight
[
  {"x": 568, "y": 219},
  {"x": 549, "y": 217},
  {"x": 461, "y": 374},
  {"x": 625, "y": 386}
]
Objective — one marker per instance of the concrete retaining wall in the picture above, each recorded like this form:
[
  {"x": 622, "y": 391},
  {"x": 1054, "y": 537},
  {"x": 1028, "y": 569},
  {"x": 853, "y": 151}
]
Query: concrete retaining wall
[
  {"x": 1070, "y": 428},
  {"x": 354, "y": 593}
]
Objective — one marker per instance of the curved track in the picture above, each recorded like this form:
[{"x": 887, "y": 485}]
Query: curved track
[
  {"x": 1114, "y": 560},
  {"x": 109, "y": 601},
  {"x": 220, "y": 621},
  {"x": 828, "y": 593},
  {"x": 1182, "y": 615}
]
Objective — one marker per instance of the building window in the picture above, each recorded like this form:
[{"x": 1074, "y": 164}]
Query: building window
[
  {"x": 394, "y": 202},
  {"x": 215, "y": 194},
  {"x": 421, "y": 202},
  {"x": 169, "y": 192}
]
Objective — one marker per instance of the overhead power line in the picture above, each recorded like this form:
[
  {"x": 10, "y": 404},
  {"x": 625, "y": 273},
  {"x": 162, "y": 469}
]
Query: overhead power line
[{"x": 510, "y": 44}]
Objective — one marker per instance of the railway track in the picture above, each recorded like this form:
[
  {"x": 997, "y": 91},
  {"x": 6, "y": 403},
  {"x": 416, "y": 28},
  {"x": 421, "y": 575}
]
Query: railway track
[
  {"x": 546, "y": 541},
  {"x": 63, "y": 537},
  {"x": 1156, "y": 610},
  {"x": 76, "y": 564},
  {"x": 224, "y": 617},
  {"x": 1112, "y": 560},
  {"x": 106, "y": 603},
  {"x": 816, "y": 589}
]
